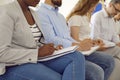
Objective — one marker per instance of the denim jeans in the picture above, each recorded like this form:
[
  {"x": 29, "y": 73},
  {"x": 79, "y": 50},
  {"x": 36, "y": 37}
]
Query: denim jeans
[
  {"x": 68, "y": 67},
  {"x": 99, "y": 66}
]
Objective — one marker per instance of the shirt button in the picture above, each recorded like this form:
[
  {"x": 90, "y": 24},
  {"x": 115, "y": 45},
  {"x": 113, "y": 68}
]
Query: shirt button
[{"x": 30, "y": 59}]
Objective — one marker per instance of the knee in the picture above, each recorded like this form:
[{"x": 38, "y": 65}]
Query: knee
[
  {"x": 110, "y": 61},
  {"x": 94, "y": 72},
  {"x": 78, "y": 56}
]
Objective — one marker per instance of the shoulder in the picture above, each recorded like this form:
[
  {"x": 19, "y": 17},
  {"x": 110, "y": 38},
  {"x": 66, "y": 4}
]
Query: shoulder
[
  {"x": 76, "y": 17},
  {"x": 9, "y": 9},
  {"x": 98, "y": 14}
]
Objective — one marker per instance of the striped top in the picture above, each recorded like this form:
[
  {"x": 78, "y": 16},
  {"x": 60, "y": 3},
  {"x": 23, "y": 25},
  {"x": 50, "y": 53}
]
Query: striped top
[{"x": 37, "y": 34}]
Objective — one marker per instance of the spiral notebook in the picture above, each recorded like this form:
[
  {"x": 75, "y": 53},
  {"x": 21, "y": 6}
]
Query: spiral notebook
[{"x": 59, "y": 53}]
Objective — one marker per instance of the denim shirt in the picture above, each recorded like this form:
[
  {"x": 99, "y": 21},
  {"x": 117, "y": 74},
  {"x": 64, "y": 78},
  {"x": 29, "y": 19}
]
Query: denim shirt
[{"x": 53, "y": 26}]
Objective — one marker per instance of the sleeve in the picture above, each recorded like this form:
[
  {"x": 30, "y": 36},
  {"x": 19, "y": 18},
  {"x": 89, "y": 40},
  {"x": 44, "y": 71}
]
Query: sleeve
[
  {"x": 10, "y": 54},
  {"x": 115, "y": 36},
  {"x": 49, "y": 33},
  {"x": 95, "y": 27},
  {"x": 75, "y": 21}
]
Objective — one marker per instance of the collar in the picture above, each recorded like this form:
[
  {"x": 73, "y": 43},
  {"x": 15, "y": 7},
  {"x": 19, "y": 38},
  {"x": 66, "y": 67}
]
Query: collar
[
  {"x": 105, "y": 13},
  {"x": 49, "y": 7}
]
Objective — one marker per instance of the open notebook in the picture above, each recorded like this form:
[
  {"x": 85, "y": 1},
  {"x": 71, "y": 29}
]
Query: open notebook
[
  {"x": 108, "y": 44},
  {"x": 93, "y": 49},
  {"x": 58, "y": 53}
]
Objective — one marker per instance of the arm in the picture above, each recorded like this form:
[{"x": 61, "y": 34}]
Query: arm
[
  {"x": 49, "y": 32},
  {"x": 95, "y": 27},
  {"x": 10, "y": 54},
  {"x": 115, "y": 34},
  {"x": 74, "y": 23},
  {"x": 75, "y": 32}
]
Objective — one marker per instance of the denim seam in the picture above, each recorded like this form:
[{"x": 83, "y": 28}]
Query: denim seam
[
  {"x": 20, "y": 76},
  {"x": 73, "y": 71}
]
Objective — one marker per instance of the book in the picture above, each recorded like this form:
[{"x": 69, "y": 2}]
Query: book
[
  {"x": 108, "y": 44},
  {"x": 87, "y": 53},
  {"x": 58, "y": 53}
]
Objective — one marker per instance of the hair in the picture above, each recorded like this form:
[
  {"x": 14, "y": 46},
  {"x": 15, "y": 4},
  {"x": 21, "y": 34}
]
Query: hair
[
  {"x": 115, "y": 1},
  {"x": 112, "y": 1},
  {"x": 82, "y": 7}
]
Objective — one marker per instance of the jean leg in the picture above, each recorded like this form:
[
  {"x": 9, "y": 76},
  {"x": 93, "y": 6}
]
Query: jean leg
[
  {"x": 103, "y": 60},
  {"x": 30, "y": 72},
  {"x": 71, "y": 66},
  {"x": 93, "y": 71}
]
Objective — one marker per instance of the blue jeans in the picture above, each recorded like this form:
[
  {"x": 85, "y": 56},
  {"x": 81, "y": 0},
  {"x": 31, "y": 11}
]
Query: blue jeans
[
  {"x": 68, "y": 67},
  {"x": 99, "y": 66}
]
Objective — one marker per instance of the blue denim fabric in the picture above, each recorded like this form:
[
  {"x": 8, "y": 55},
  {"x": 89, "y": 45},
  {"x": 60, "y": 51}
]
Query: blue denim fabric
[
  {"x": 68, "y": 67},
  {"x": 99, "y": 66}
]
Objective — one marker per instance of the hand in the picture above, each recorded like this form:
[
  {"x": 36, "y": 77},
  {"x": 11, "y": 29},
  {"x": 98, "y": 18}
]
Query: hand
[
  {"x": 102, "y": 48},
  {"x": 117, "y": 17},
  {"x": 59, "y": 47},
  {"x": 46, "y": 50},
  {"x": 118, "y": 44},
  {"x": 85, "y": 45},
  {"x": 98, "y": 42}
]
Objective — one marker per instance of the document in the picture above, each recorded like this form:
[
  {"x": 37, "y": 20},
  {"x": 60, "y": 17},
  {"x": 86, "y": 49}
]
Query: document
[
  {"x": 87, "y": 53},
  {"x": 108, "y": 44},
  {"x": 59, "y": 53}
]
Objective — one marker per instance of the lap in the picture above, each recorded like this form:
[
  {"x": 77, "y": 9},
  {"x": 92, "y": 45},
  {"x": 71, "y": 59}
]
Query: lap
[
  {"x": 59, "y": 64},
  {"x": 30, "y": 71}
]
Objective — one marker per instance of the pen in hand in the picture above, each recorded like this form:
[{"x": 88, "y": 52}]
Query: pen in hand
[{"x": 58, "y": 47}]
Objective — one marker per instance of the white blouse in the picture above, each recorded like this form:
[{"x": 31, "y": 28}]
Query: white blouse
[{"x": 83, "y": 23}]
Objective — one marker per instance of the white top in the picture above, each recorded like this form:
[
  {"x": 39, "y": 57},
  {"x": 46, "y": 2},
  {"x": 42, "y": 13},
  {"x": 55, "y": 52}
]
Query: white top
[
  {"x": 117, "y": 27},
  {"x": 83, "y": 23},
  {"x": 103, "y": 27},
  {"x": 37, "y": 34}
]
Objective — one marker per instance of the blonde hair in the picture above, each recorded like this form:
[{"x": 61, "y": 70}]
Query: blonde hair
[{"x": 82, "y": 7}]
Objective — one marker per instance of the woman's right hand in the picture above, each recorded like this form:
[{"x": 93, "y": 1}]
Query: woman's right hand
[
  {"x": 85, "y": 45},
  {"x": 46, "y": 50},
  {"x": 97, "y": 42}
]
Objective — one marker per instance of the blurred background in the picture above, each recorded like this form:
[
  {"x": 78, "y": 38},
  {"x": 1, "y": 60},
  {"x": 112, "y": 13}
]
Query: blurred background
[{"x": 64, "y": 9}]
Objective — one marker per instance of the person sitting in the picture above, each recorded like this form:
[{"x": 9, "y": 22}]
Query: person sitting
[
  {"x": 20, "y": 48},
  {"x": 55, "y": 30},
  {"x": 103, "y": 27}
]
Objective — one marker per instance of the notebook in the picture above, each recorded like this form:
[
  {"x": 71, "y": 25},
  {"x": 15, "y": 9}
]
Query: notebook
[
  {"x": 59, "y": 53},
  {"x": 109, "y": 44},
  {"x": 87, "y": 53}
]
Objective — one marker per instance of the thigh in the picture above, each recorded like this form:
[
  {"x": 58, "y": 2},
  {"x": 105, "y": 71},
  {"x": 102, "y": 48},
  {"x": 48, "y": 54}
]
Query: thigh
[
  {"x": 93, "y": 71},
  {"x": 101, "y": 59},
  {"x": 30, "y": 72},
  {"x": 59, "y": 64}
]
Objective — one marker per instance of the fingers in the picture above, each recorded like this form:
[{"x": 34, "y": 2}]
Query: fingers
[
  {"x": 97, "y": 42},
  {"x": 59, "y": 47}
]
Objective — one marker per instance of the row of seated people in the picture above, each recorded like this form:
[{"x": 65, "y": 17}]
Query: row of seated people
[{"x": 24, "y": 31}]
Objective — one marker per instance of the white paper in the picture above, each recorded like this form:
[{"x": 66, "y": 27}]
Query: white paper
[
  {"x": 109, "y": 44},
  {"x": 93, "y": 49},
  {"x": 58, "y": 53}
]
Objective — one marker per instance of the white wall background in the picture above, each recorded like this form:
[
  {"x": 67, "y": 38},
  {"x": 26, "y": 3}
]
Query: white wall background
[{"x": 66, "y": 7}]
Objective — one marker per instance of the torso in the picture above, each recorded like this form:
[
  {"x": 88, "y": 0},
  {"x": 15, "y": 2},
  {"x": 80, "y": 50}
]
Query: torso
[{"x": 29, "y": 18}]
